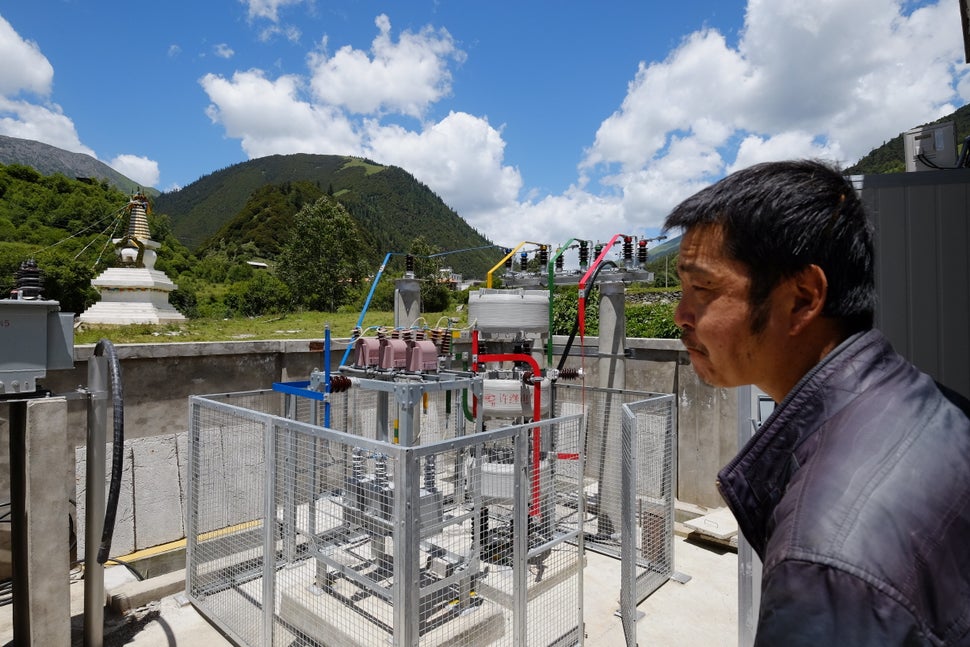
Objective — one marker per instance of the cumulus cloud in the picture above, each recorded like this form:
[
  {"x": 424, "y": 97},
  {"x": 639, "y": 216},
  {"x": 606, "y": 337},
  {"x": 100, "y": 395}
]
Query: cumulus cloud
[
  {"x": 272, "y": 116},
  {"x": 446, "y": 156},
  {"x": 140, "y": 169},
  {"x": 25, "y": 68},
  {"x": 43, "y": 123},
  {"x": 26, "y": 78},
  {"x": 826, "y": 79},
  {"x": 402, "y": 77}
]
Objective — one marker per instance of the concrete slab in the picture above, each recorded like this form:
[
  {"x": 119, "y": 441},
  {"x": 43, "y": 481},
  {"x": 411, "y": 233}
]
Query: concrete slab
[
  {"x": 157, "y": 491},
  {"x": 719, "y": 524},
  {"x": 704, "y": 611}
]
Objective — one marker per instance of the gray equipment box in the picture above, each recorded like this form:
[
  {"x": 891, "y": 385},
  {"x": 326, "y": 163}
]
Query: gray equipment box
[{"x": 35, "y": 336}]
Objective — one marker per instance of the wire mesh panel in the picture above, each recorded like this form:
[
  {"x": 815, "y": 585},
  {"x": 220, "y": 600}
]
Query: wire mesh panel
[
  {"x": 628, "y": 482},
  {"x": 454, "y": 541},
  {"x": 335, "y": 506},
  {"x": 537, "y": 574},
  {"x": 604, "y": 456},
  {"x": 652, "y": 426},
  {"x": 226, "y": 514}
]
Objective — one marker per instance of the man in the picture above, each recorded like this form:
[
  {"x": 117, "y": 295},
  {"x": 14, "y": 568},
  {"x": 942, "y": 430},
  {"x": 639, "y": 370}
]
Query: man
[{"x": 855, "y": 492}]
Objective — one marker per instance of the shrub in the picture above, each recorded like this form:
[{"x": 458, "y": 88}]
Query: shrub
[{"x": 652, "y": 320}]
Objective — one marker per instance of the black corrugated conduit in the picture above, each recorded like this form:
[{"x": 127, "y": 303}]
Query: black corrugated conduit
[{"x": 105, "y": 348}]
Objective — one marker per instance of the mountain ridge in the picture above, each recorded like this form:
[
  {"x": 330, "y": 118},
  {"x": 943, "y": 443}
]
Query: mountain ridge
[{"x": 48, "y": 160}]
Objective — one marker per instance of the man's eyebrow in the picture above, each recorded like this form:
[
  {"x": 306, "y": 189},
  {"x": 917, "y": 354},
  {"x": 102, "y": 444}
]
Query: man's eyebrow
[{"x": 692, "y": 268}]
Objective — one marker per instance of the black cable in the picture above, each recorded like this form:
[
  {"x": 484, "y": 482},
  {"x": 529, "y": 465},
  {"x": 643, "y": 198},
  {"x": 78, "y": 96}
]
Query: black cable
[
  {"x": 928, "y": 162},
  {"x": 118, "y": 456},
  {"x": 131, "y": 569}
]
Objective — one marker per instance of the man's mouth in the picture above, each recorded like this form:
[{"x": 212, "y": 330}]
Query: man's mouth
[{"x": 691, "y": 345}]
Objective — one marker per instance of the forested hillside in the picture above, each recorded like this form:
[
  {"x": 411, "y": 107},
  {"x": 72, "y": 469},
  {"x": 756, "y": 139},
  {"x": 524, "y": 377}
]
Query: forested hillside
[
  {"x": 254, "y": 201},
  {"x": 66, "y": 225}
]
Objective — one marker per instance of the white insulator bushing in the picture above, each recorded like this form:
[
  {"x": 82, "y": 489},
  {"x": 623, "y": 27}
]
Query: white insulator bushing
[
  {"x": 513, "y": 398},
  {"x": 509, "y": 310}
]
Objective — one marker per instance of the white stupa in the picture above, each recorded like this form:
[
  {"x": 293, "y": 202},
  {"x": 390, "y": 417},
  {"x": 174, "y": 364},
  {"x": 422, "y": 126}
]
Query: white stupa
[{"x": 135, "y": 292}]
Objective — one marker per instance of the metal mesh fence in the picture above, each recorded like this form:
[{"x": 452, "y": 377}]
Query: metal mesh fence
[
  {"x": 226, "y": 514},
  {"x": 628, "y": 482},
  {"x": 453, "y": 539},
  {"x": 652, "y": 424}
]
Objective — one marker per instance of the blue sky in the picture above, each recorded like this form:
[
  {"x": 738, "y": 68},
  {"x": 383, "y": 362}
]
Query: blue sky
[{"x": 537, "y": 121}]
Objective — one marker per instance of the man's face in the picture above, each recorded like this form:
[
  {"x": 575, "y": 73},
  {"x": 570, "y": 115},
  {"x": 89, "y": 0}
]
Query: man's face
[{"x": 716, "y": 316}]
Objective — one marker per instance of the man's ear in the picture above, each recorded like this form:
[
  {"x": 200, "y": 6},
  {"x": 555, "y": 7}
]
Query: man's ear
[{"x": 809, "y": 288}]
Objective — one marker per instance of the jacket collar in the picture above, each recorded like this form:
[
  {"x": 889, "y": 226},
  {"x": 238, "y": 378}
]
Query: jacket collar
[{"x": 754, "y": 482}]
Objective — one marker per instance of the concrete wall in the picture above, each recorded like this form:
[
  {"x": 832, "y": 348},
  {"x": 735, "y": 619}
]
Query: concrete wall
[{"x": 159, "y": 378}]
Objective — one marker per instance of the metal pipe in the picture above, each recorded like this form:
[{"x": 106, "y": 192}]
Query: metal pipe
[
  {"x": 94, "y": 597},
  {"x": 326, "y": 375}
]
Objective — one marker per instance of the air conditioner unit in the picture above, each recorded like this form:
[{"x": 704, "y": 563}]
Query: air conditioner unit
[{"x": 931, "y": 147}]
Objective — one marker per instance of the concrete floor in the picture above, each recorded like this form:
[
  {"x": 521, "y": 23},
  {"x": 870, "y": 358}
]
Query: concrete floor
[{"x": 703, "y": 611}]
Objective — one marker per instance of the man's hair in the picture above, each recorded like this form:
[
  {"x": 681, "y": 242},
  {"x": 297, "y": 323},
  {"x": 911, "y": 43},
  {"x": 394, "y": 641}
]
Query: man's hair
[{"x": 778, "y": 218}]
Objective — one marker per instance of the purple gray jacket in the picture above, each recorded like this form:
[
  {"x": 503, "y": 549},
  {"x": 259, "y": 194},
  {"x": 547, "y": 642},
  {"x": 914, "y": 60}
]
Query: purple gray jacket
[{"x": 855, "y": 493}]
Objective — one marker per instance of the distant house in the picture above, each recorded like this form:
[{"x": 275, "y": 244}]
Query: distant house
[
  {"x": 257, "y": 265},
  {"x": 449, "y": 278}
]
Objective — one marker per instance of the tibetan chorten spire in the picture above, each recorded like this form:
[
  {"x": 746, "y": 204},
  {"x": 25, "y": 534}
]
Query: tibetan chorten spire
[{"x": 135, "y": 292}]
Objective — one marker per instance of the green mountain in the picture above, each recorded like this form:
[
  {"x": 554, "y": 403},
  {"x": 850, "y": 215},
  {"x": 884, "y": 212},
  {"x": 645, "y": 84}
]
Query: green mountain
[
  {"x": 890, "y": 157},
  {"x": 48, "y": 160},
  {"x": 254, "y": 201}
]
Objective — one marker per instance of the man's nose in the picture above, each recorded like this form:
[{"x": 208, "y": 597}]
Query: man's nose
[{"x": 683, "y": 315}]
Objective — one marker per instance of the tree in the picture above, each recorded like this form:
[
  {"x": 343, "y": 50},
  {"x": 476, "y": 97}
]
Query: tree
[
  {"x": 69, "y": 282},
  {"x": 435, "y": 297},
  {"x": 321, "y": 261}
]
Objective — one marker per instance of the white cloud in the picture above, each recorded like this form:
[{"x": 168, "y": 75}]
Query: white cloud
[
  {"x": 459, "y": 157},
  {"x": 223, "y": 50},
  {"x": 291, "y": 33},
  {"x": 25, "y": 68},
  {"x": 267, "y": 9},
  {"x": 140, "y": 169},
  {"x": 270, "y": 117},
  {"x": 403, "y": 77},
  {"x": 41, "y": 123},
  {"x": 826, "y": 79},
  {"x": 26, "y": 79}
]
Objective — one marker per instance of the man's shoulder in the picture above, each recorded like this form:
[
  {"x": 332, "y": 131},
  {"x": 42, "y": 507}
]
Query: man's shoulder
[{"x": 880, "y": 490}]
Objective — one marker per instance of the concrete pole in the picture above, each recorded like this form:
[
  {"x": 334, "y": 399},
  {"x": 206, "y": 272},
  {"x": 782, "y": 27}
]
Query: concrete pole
[
  {"x": 606, "y": 452},
  {"x": 39, "y": 460},
  {"x": 407, "y": 302},
  {"x": 612, "y": 337}
]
